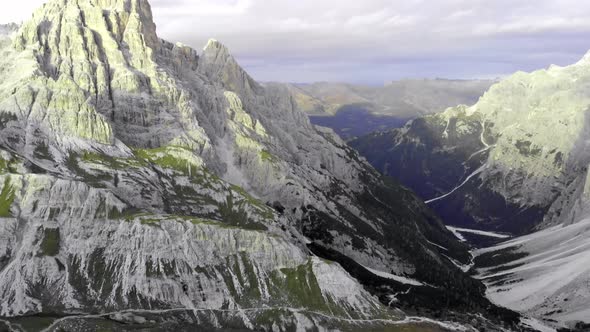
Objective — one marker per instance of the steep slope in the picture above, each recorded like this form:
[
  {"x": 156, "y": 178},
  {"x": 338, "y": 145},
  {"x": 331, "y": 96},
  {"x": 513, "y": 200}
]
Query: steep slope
[
  {"x": 515, "y": 161},
  {"x": 146, "y": 184},
  {"x": 544, "y": 274}
]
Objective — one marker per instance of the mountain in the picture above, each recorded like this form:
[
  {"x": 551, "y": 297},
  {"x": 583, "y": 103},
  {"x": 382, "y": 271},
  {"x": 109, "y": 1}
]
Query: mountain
[
  {"x": 544, "y": 274},
  {"x": 146, "y": 186},
  {"x": 522, "y": 146},
  {"x": 406, "y": 98},
  {"x": 356, "y": 110},
  {"x": 515, "y": 162}
]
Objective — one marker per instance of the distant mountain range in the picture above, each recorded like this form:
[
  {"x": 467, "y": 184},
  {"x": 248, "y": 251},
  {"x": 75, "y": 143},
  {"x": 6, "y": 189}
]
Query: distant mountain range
[
  {"x": 404, "y": 99},
  {"x": 356, "y": 110}
]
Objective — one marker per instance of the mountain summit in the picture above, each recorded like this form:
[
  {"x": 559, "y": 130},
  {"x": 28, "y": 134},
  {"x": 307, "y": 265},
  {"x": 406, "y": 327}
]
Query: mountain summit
[{"x": 168, "y": 188}]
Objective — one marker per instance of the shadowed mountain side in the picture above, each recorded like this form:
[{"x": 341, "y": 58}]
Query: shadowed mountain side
[
  {"x": 139, "y": 177},
  {"x": 355, "y": 120}
]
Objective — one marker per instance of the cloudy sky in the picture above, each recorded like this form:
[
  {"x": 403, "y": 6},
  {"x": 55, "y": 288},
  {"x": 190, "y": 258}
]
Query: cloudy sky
[{"x": 373, "y": 41}]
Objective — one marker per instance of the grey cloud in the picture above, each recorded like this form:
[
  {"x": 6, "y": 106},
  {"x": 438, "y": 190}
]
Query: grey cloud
[{"x": 379, "y": 40}]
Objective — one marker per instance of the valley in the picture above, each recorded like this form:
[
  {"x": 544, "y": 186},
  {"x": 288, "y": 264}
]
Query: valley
[
  {"x": 147, "y": 185},
  {"x": 356, "y": 120},
  {"x": 143, "y": 177},
  {"x": 355, "y": 110},
  {"x": 508, "y": 175}
]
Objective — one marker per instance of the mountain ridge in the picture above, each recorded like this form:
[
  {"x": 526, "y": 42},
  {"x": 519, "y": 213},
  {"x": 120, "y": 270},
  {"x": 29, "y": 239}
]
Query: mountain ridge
[
  {"x": 139, "y": 177},
  {"x": 406, "y": 98},
  {"x": 517, "y": 161},
  {"x": 357, "y": 110}
]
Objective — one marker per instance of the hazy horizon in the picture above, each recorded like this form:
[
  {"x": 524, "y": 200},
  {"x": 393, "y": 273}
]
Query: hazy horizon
[{"x": 375, "y": 41}]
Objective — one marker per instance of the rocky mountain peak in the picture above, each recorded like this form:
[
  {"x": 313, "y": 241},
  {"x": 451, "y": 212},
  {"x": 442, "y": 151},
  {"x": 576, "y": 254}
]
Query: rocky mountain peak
[
  {"x": 585, "y": 59},
  {"x": 217, "y": 62},
  {"x": 213, "y": 45},
  {"x": 126, "y": 21},
  {"x": 100, "y": 52},
  {"x": 128, "y": 161}
]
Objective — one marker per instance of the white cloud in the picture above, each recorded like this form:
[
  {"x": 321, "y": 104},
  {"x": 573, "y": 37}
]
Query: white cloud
[
  {"x": 371, "y": 19},
  {"x": 460, "y": 14},
  {"x": 18, "y": 11},
  {"x": 428, "y": 37},
  {"x": 534, "y": 25},
  {"x": 172, "y": 9}
]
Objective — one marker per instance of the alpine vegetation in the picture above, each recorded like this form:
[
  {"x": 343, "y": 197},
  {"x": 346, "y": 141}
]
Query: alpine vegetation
[{"x": 145, "y": 185}]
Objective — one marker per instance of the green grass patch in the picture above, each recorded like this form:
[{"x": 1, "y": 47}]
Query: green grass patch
[
  {"x": 6, "y": 199},
  {"x": 238, "y": 205},
  {"x": 50, "y": 243},
  {"x": 112, "y": 162},
  {"x": 298, "y": 287},
  {"x": 4, "y": 168},
  {"x": 219, "y": 224},
  {"x": 267, "y": 156},
  {"x": 72, "y": 162},
  {"x": 32, "y": 323},
  {"x": 236, "y": 215},
  {"x": 9, "y": 166},
  {"x": 127, "y": 214},
  {"x": 149, "y": 219},
  {"x": 262, "y": 209},
  {"x": 162, "y": 157},
  {"x": 302, "y": 286}
]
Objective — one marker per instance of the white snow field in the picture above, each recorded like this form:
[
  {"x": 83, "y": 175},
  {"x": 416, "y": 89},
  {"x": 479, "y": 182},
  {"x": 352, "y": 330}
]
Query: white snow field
[
  {"x": 457, "y": 232},
  {"x": 552, "y": 281}
]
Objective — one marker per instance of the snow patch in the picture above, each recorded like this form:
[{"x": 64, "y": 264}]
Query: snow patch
[
  {"x": 437, "y": 245},
  {"x": 554, "y": 273},
  {"x": 463, "y": 267},
  {"x": 536, "y": 325},
  {"x": 403, "y": 280},
  {"x": 477, "y": 171},
  {"x": 457, "y": 232}
]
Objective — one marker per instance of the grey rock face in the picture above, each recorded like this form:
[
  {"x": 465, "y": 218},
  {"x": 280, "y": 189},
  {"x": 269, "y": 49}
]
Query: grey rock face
[{"x": 138, "y": 175}]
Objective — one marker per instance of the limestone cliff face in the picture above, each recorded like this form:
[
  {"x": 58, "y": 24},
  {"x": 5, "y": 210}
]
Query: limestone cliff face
[
  {"x": 526, "y": 140},
  {"x": 138, "y": 175}
]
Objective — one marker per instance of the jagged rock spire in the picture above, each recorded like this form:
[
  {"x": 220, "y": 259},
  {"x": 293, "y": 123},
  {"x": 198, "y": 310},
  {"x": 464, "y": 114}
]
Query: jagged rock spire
[
  {"x": 129, "y": 21},
  {"x": 91, "y": 49},
  {"x": 217, "y": 63}
]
